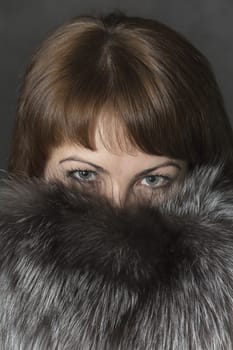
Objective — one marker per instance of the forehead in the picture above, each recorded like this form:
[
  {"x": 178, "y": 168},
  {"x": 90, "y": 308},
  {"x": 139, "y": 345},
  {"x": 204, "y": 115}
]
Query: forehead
[
  {"x": 113, "y": 161},
  {"x": 114, "y": 152}
]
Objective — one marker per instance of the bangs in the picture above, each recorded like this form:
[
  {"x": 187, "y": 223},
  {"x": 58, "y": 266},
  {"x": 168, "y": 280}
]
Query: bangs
[
  {"x": 125, "y": 117},
  {"x": 136, "y": 102}
]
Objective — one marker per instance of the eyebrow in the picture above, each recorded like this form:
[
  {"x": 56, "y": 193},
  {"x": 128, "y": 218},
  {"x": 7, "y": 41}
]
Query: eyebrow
[{"x": 144, "y": 172}]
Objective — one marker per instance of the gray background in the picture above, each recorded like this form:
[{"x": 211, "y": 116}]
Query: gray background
[{"x": 25, "y": 23}]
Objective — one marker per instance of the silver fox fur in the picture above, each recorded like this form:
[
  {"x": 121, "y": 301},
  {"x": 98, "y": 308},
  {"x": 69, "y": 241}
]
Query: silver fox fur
[{"x": 77, "y": 273}]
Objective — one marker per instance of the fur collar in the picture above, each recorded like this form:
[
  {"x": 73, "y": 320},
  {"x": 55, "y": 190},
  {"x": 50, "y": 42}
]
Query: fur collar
[{"x": 78, "y": 273}]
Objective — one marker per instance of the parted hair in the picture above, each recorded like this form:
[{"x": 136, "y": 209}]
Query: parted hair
[{"x": 144, "y": 81}]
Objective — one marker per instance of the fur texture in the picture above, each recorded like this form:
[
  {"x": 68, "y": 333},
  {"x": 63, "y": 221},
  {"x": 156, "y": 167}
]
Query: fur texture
[{"x": 78, "y": 273}]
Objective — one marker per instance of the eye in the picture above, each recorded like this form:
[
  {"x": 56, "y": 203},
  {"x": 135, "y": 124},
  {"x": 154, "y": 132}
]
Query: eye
[
  {"x": 82, "y": 175},
  {"x": 155, "y": 181}
]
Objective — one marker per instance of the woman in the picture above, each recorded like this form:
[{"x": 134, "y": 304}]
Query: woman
[
  {"x": 137, "y": 103},
  {"x": 123, "y": 105}
]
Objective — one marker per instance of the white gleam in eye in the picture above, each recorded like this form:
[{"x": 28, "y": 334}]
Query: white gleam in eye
[
  {"x": 83, "y": 175},
  {"x": 89, "y": 176},
  {"x": 155, "y": 180}
]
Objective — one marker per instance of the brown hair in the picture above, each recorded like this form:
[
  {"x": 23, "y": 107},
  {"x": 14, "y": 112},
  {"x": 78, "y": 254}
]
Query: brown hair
[{"x": 135, "y": 75}]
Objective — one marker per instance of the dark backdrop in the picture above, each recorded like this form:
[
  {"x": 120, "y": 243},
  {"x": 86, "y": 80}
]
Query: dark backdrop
[{"x": 25, "y": 23}]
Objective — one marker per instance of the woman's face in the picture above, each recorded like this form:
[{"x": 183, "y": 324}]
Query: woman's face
[{"x": 119, "y": 176}]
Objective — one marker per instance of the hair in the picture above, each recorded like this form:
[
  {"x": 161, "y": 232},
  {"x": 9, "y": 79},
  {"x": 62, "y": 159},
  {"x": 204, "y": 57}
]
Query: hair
[{"x": 144, "y": 82}]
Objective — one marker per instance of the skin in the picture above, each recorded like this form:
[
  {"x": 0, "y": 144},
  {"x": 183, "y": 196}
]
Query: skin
[{"x": 114, "y": 174}]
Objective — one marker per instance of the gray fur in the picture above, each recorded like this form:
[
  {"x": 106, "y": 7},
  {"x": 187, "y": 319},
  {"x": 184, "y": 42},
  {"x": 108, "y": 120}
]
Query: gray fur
[{"x": 78, "y": 273}]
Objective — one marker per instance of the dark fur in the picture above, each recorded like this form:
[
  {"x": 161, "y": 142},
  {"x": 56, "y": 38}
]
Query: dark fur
[{"x": 77, "y": 273}]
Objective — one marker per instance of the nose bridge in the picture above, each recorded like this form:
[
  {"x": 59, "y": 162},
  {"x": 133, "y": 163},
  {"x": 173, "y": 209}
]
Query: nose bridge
[{"x": 117, "y": 193}]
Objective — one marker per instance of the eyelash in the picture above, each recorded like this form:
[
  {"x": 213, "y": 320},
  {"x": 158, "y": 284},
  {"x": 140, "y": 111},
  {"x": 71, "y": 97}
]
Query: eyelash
[{"x": 70, "y": 174}]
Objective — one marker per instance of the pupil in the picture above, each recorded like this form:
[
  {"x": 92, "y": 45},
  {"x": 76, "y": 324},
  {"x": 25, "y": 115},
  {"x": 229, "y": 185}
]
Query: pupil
[
  {"x": 84, "y": 173},
  {"x": 151, "y": 179}
]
